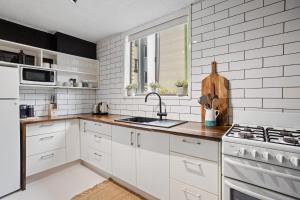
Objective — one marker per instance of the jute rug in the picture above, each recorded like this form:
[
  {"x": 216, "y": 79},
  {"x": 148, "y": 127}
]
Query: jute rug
[{"x": 108, "y": 190}]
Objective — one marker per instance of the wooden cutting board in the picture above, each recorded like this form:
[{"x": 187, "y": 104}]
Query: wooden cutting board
[{"x": 215, "y": 84}]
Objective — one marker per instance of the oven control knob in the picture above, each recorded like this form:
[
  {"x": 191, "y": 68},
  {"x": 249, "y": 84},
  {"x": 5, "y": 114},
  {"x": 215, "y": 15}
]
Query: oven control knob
[
  {"x": 280, "y": 158},
  {"x": 242, "y": 151},
  {"x": 294, "y": 161},
  {"x": 254, "y": 153},
  {"x": 266, "y": 156}
]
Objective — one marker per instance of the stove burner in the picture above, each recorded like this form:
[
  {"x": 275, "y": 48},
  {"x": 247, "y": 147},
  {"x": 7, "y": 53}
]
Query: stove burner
[
  {"x": 290, "y": 140},
  {"x": 247, "y": 129},
  {"x": 246, "y": 134},
  {"x": 285, "y": 133}
]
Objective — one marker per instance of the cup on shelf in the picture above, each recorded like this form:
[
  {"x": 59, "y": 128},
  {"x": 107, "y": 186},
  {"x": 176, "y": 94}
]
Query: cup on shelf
[{"x": 78, "y": 84}]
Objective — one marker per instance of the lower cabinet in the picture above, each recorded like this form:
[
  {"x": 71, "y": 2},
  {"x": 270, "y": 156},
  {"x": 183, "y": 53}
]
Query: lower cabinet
[
  {"x": 96, "y": 144},
  {"x": 141, "y": 158},
  {"x": 165, "y": 166}
]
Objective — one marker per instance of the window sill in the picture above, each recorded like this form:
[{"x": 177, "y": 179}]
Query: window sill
[{"x": 162, "y": 97}]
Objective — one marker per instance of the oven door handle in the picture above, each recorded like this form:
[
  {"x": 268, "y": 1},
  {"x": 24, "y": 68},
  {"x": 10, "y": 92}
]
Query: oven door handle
[
  {"x": 263, "y": 170},
  {"x": 247, "y": 192}
]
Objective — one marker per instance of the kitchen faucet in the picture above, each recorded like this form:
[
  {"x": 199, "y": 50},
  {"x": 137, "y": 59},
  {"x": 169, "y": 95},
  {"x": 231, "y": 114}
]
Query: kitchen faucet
[{"x": 160, "y": 113}]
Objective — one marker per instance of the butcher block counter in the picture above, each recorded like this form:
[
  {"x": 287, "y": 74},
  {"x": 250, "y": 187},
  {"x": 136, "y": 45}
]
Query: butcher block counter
[{"x": 189, "y": 129}]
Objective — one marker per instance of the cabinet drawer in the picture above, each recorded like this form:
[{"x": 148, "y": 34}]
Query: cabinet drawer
[
  {"x": 181, "y": 191},
  {"x": 44, "y": 161},
  {"x": 195, "y": 147},
  {"x": 99, "y": 159},
  {"x": 99, "y": 142},
  {"x": 97, "y": 127},
  {"x": 200, "y": 173},
  {"x": 44, "y": 143},
  {"x": 43, "y": 128}
]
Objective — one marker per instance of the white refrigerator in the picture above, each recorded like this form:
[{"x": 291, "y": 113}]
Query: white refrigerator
[{"x": 9, "y": 130}]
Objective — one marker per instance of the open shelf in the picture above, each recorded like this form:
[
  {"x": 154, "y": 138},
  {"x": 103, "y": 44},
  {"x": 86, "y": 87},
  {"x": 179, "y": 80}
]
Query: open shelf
[
  {"x": 56, "y": 87},
  {"x": 76, "y": 72}
]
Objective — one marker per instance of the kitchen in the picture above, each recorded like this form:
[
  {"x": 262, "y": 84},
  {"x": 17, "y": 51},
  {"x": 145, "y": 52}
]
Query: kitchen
[{"x": 174, "y": 100}]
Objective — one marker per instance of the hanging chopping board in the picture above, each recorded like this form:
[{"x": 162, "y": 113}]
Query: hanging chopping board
[{"x": 214, "y": 84}]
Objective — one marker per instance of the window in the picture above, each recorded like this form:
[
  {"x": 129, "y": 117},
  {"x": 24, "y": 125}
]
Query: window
[{"x": 159, "y": 55}]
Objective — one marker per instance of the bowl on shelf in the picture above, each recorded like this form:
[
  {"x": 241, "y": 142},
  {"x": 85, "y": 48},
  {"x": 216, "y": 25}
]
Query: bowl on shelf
[{"x": 78, "y": 84}]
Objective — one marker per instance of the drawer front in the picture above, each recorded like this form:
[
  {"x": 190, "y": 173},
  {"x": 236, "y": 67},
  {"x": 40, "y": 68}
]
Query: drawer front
[
  {"x": 44, "y": 128},
  {"x": 99, "y": 142},
  {"x": 99, "y": 159},
  {"x": 97, "y": 127},
  {"x": 43, "y": 143},
  {"x": 200, "y": 173},
  {"x": 195, "y": 147},
  {"x": 181, "y": 191},
  {"x": 44, "y": 161}
]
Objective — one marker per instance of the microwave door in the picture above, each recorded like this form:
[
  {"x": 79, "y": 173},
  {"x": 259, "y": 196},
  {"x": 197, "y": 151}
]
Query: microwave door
[{"x": 36, "y": 76}]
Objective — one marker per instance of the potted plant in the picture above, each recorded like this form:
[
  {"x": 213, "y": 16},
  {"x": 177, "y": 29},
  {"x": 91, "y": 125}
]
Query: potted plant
[
  {"x": 181, "y": 89},
  {"x": 131, "y": 89},
  {"x": 153, "y": 87}
]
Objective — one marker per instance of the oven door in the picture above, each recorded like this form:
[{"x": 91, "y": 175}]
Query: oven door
[
  {"x": 37, "y": 76},
  {"x": 280, "y": 179},
  {"x": 237, "y": 190}
]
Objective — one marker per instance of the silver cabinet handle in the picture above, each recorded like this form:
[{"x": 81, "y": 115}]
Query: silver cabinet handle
[
  {"x": 84, "y": 127},
  {"x": 47, "y": 156},
  {"x": 96, "y": 154},
  {"x": 191, "y": 193},
  {"x": 186, "y": 141},
  {"x": 97, "y": 124},
  {"x": 46, "y": 125},
  {"x": 138, "y": 140},
  {"x": 192, "y": 163},
  {"x": 97, "y": 138},
  {"x": 131, "y": 138},
  {"x": 46, "y": 138}
]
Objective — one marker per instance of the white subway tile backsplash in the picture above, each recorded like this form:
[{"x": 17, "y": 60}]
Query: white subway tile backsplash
[
  {"x": 291, "y": 93},
  {"x": 203, "y": 13},
  {"x": 246, "y": 64},
  {"x": 229, "y": 39},
  {"x": 229, "y": 21},
  {"x": 227, "y": 4},
  {"x": 247, "y": 83},
  {"x": 290, "y": 59},
  {"x": 292, "y": 70},
  {"x": 264, "y": 93},
  {"x": 282, "y": 17},
  {"x": 264, "y": 52},
  {"x": 292, "y": 81},
  {"x": 215, "y": 51},
  {"x": 246, "y": 7},
  {"x": 246, "y": 103},
  {"x": 262, "y": 32},
  {"x": 215, "y": 17},
  {"x": 209, "y": 3},
  {"x": 289, "y": 4},
  {"x": 292, "y": 25},
  {"x": 264, "y": 72},
  {"x": 215, "y": 34},
  {"x": 254, "y": 24},
  {"x": 230, "y": 57},
  {"x": 250, "y": 44},
  {"x": 281, "y": 103},
  {"x": 292, "y": 48},
  {"x": 282, "y": 38},
  {"x": 265, "y": 11}
]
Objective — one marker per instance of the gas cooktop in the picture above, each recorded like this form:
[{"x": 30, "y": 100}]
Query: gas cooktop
[{"x": 269, "y": 134}]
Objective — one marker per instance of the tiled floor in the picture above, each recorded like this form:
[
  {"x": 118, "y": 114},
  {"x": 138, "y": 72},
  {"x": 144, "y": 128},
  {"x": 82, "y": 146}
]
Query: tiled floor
[{"x": 62, "y": 185}]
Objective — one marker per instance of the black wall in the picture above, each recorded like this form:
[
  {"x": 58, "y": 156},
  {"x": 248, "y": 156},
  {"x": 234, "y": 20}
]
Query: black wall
[
  {"x": 58, "y": 42},
  {"x": 75, "y": 46}
]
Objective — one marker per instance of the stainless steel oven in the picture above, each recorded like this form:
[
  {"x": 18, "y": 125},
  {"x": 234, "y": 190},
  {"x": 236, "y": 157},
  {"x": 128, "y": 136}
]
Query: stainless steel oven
[
  {"x": 37, "y": 76},
  {"x": 251, "y": 180}
]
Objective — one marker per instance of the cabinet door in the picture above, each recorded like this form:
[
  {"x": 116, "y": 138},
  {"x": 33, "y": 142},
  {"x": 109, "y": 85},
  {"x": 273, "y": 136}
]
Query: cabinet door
[
  {"x": 9, "y": 81},
  {"x": 153, "y": 163},
  {"x": 123, "y": 154},
  {"x": 72, "y": 140}
]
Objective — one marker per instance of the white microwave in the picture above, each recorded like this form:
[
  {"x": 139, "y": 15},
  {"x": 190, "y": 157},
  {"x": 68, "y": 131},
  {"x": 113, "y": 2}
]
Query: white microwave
[{"x": 36, "y": 76}]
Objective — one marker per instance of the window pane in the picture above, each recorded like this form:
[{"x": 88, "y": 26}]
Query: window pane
[
  {"x": 138, "y": 64},
  {"x": 172, "y": 54}
]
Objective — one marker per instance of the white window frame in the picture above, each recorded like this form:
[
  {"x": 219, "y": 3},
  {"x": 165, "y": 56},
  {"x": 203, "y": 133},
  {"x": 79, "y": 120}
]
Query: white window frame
[{"x": 151, "y": 58}]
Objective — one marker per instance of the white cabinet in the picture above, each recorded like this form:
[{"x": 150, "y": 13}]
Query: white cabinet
[
  {"x": 9, "y": 81},
  {"x": 72, "y": 140},
  {"x": 195, "y": 170},
  {"x": 152, "y": 157},
  {"x": 123, "y": 154},
  {"x": 141, "y": 158},
  {"x": 96, "y": 144}
]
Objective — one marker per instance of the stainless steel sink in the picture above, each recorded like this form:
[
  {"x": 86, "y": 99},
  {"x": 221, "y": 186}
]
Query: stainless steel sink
[{"x": 164, "y": 123}]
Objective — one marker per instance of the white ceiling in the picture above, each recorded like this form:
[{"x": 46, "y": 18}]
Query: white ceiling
[{"x": 87, "y": 19}]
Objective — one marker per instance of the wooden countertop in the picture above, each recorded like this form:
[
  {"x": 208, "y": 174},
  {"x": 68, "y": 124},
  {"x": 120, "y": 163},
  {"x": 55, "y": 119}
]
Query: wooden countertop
[{"x": 190, "y": 129}]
